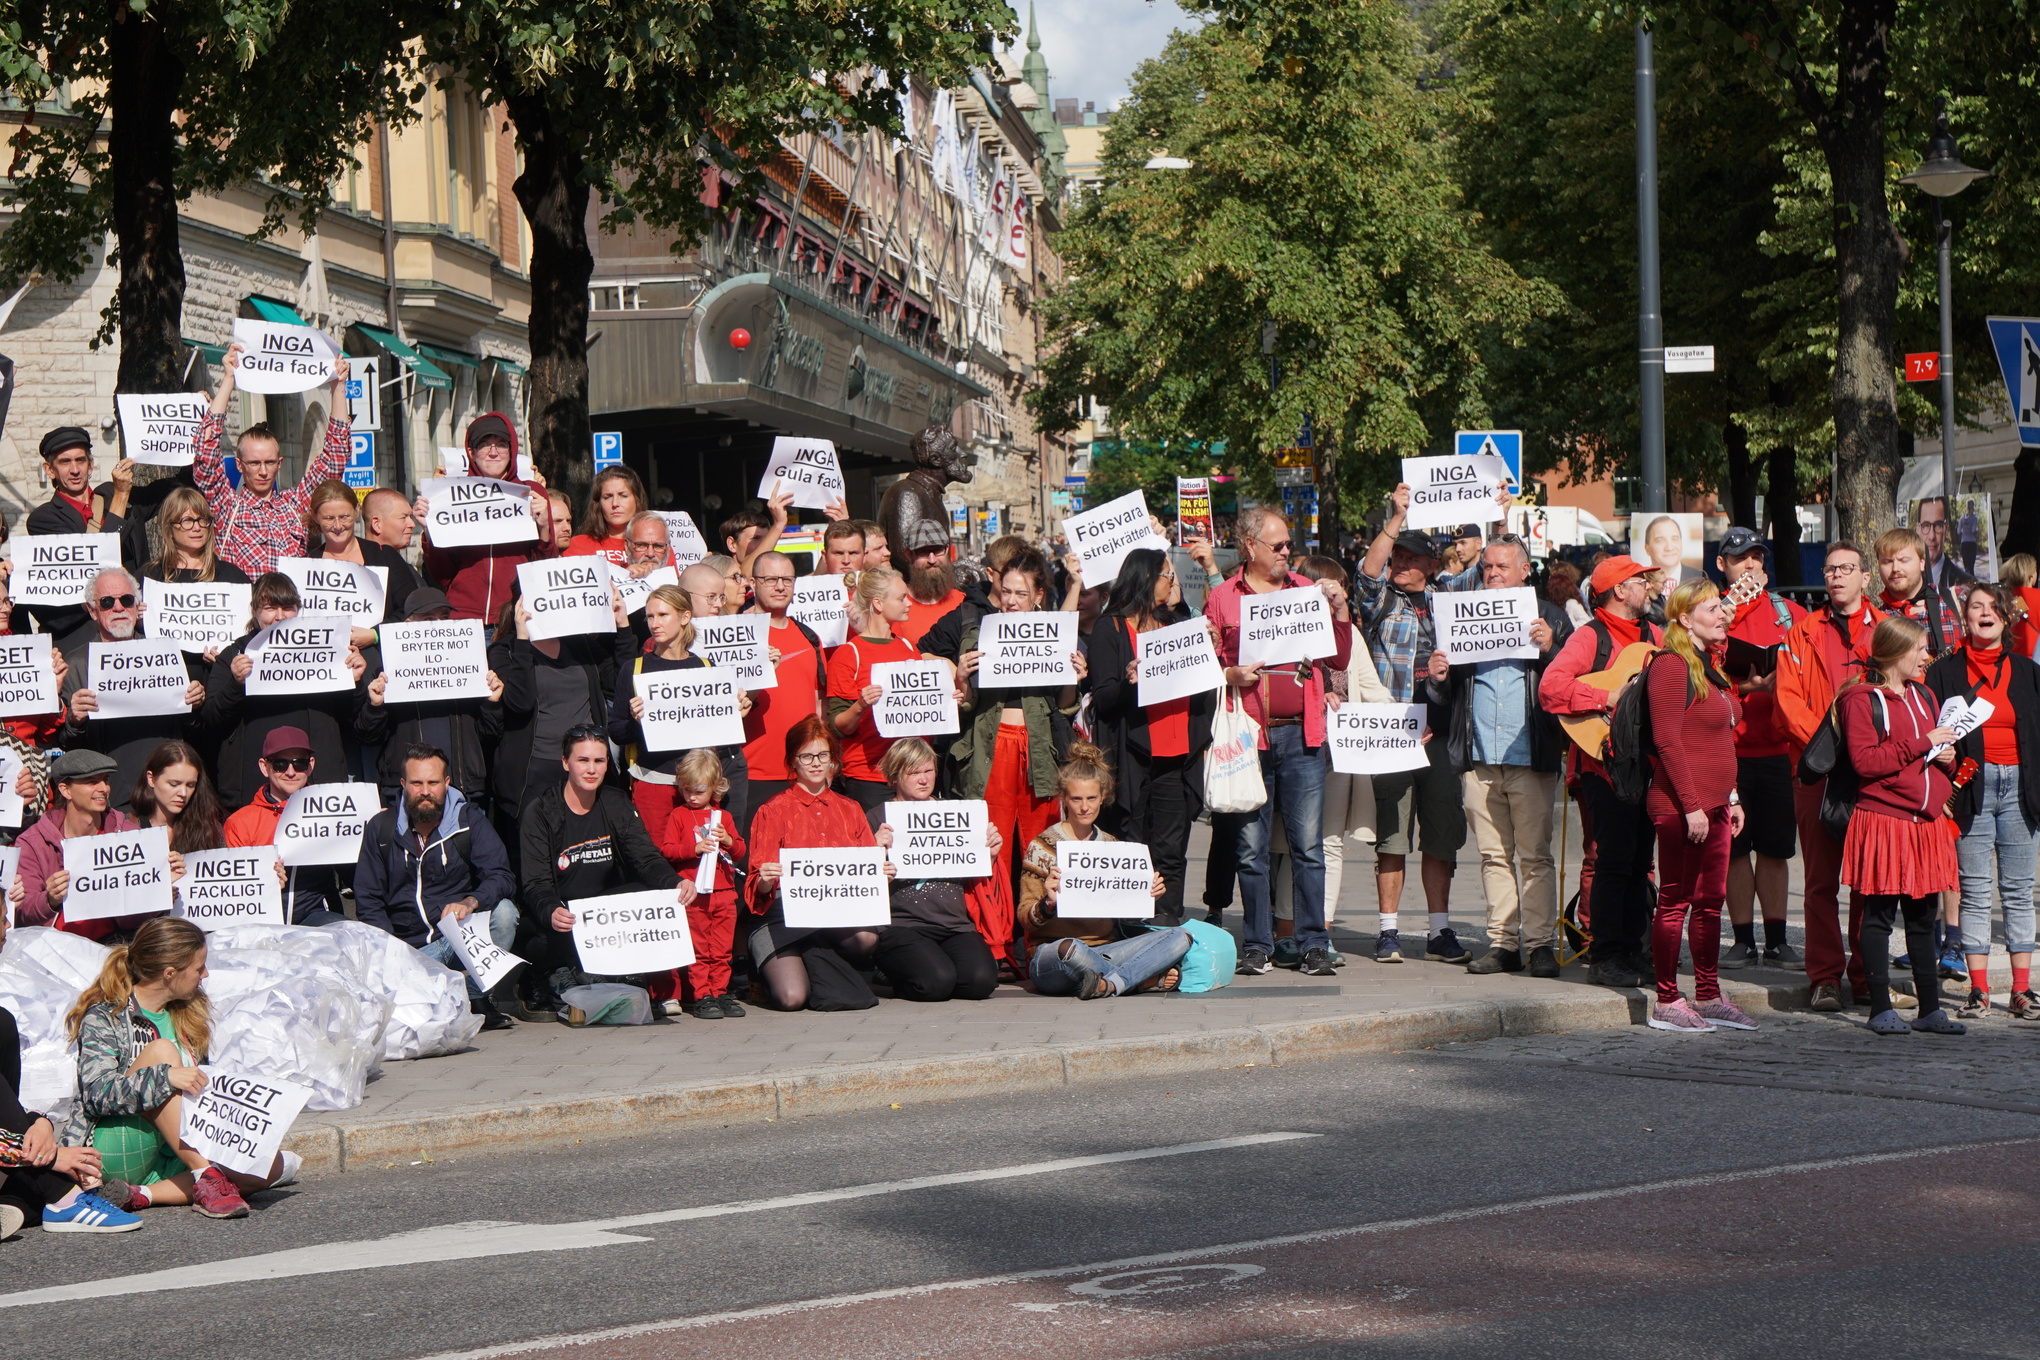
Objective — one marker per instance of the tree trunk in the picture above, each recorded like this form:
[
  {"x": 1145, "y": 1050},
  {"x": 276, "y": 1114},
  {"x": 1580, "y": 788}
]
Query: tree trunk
[
  {"x": 2022, "y": 525},
  {"x": 1742, "y": 475},
  {"x": 1328, "y": 498},
  {"x": 554, "y": 196},
  {"x": 1869, "y": 256},
  {"x": 147, "y": 78},
  {"x": 1781, "y": 500}
]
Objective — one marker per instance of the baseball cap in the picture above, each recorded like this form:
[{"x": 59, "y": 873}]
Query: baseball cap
[
  {"x": 490, "y": 424},
  {"x": 285, "y": 739},
  {"x": 1468, "y": 531},
  {"x": 82, "y": 765},
  {"x": 1416, "y": 541},
  {"x": 1614, "y": 571},
  {"x": 1739, "y": 540},
  {"x": 425, "y": 598},
  {"x": 65, "y": 437}
]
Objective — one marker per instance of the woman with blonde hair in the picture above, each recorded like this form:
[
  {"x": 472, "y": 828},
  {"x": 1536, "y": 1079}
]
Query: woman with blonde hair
[
  {"x": 143, "y": 1029},
  {"x": 947, "y": 933},
  {"x": 190, "y": 549},
  {"x": 330, "y": 518},
  {"x": 879, "y": 599},
  {"x": 1693, "y": 805},
  {"x": 1900, "y": 852},
  {"x": 669, "y": 617}
]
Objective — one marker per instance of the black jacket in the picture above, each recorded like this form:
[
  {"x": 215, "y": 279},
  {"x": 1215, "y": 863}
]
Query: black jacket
[
  {"x": 402, "y": 888},
  {"x": 1121, "y": 724},
  {"x": 1547, "y": 738},
  {"x": 64, "y": 622},
  {"x": 1949, "y": 676},
  {"x": 130, "y": 741},
  {"x": 945, "y": 637},
  {"x": 514, "y": 663},
  {"x": 466, "y": 729},
  {"x": 637, "y": 865},
  {"x": 403, "y": 578},
  {"x": 241, "y": 722}
]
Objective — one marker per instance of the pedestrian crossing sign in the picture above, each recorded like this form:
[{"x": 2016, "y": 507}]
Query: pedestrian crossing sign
[
  {"x": 1506, "y": 445},
  {"x": 2017, "y": 342}
]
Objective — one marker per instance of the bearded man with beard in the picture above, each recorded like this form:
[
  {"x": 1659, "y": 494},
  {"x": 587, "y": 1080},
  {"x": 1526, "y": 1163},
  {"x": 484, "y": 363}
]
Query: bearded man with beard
[
  {"x": 931, "y": 582},
  {"x": 113, "y": 605},
  {"x": 430, "y": 863}
]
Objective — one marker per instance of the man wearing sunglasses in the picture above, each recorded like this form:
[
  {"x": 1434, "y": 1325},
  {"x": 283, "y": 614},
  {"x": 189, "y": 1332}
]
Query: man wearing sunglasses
[
  {"x": 113, "y": 605},
  {"x": 311, "y": 892},
  {"x": 1289, "y": 702}
]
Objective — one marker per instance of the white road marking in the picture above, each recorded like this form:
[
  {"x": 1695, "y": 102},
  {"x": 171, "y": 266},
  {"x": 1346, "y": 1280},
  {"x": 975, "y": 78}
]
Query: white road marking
[
  {"x": 1126, "y": 1263},
  {"x": 465, "y": 1241}
]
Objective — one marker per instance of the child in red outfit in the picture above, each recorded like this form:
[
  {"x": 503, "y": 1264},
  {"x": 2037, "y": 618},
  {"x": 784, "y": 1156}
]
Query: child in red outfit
[{"x": 712, "y": 915}]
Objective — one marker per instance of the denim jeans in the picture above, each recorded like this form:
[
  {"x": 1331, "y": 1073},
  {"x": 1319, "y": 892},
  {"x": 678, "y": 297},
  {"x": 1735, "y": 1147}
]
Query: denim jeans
[
  {"x": 1295, "y": 776},
  {"x": 1128, "y": 963},
  {"x": 2000, "y": 829},
  {"x": 502, "y": 929}
]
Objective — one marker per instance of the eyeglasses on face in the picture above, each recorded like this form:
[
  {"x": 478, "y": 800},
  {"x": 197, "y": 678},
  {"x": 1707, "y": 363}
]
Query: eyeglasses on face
[
  {"x": 774, "y": 580},
  {"x": 1840, "y": 569},
  {"x": 658, "y": 543},
  {"x": 289, "y": 764},
  {"x": 116, "y": 602},
  {"x": 815, "y": 758},
  {"x": 192, "y": 522}
]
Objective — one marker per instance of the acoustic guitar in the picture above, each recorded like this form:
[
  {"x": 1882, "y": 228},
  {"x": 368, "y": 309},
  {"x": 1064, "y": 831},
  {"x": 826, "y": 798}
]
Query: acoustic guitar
[{"x": 1591, "y": 730}]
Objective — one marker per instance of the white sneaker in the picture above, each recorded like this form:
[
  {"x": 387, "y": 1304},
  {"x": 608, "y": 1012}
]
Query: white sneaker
[
  {"x": 292, "y": 1164},
  {"x": 11, "y": 1219},
  {"x": 672, "y": 1007}
]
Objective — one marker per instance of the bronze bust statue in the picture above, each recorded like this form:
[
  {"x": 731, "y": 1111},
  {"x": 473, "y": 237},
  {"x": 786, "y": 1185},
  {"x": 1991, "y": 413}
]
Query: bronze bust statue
[{"x": 912, "y": 512}]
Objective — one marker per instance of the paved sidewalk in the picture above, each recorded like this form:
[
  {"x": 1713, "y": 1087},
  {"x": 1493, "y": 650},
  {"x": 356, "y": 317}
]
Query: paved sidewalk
[{"x": 548, "y": 1082}]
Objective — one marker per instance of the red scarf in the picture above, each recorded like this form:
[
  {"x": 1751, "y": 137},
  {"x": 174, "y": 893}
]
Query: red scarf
[
  {"x": 1985, "y": 664},
  {"x": 1621, "y": 632}
]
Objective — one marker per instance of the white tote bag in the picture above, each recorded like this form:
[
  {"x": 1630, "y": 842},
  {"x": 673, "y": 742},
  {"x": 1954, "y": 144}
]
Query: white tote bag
[{"x": 1232, "y": 764}]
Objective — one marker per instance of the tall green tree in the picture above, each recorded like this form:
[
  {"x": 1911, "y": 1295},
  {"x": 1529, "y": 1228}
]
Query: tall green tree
[
  {"x": 136, "y": 105},
  {"x": 636, "y": 104},
  {"x": 1313, "y": 265}
]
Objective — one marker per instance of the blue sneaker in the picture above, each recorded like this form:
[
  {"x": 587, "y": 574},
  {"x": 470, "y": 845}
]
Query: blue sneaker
[
  {"x": 1902, "y": 961},
  {"x": 1954, "y": 968},
  {"x": 1445, "y": 947},
  {"x": 1387, "y": 948},
  {"x": 89, "y": 1214},
  {"x": 1288, "y": 952}
]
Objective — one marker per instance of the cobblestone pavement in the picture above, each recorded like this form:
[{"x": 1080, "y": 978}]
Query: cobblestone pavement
[{"x": 1996, "y": 1066}]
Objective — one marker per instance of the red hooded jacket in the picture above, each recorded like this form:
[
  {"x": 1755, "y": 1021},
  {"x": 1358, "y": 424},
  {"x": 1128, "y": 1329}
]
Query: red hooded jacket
[{"x": 480, "y": 580}]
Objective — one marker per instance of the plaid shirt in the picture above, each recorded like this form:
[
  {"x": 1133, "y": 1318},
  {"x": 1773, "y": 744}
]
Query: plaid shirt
[
  {"x": 1399, "y": 629},
  {"x": 256, "y": 530}
]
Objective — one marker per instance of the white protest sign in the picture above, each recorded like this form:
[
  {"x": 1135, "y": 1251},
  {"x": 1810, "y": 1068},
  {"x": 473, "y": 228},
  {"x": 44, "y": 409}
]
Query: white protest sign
[
  {"x": 304, "y": 655},
  {"x": 625, "y": 933},
  {"x": 1103, "y": 537},
  {"x": 704, "y": 871},
  {"x": 466, "y": 511},
  {"x": 1104, "y": 878},
  {"x": 487, "y": 962},
  {"x": 231, "y": 888},
  {"x": 277, "y": 357},
  {"x": 567, "y": 596},
  {"x": 137, "y": 679},
  {"x": 637, "y": 589},
  {"x": 238, "y": 1121},
  {"x": 919, "y": 699},
  {"x": 161, "y": 429},
  {"x": 327, "y": 585},
  {"x": 806, "y": 467},
  {"x": 322, "y": 823},
  {"x": 1486, "y": 625},
  {"x": 447, "y": 659},
  {"x": 741, "y": 643},
  {"x": 1376, "y": 738},
  {"x": 685, "y": 710},
  {"x": 58, "y": 568},
  {"x": 12, "y": 804},
  {"x": 28, "y": 676},
  {"x": 453, "y": 461},
  {"x": 823, "y": 604},
  {"x": 683, "y": 538},
  {"x": 1448, "y": 492},
  {"x": 124, "y": 873},
  {"x": 1285, "y": 625},
  {"x": 1962, "y": 718},
  {"x": 1177, "y": 662},
  {"x": 834, "y": 889},
  {"x": 1026, "y": 649},
  {"x": 939, "y": 839},
  {"x": 199, "y": 616},
  {"x": 10, "y": 869}
]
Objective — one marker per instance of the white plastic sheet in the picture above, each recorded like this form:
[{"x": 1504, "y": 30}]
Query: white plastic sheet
[{"x": 41, "y": 973}]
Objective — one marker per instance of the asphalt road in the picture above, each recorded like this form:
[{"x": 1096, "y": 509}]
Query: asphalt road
[{"x": 1466, "y": 1202}]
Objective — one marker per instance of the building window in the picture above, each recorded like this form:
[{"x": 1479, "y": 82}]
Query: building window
[{"x": 1628, "y": 491}]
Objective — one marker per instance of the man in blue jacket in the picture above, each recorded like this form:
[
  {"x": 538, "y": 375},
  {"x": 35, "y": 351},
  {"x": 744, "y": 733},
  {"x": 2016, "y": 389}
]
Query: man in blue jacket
[{"x": 430, "y": 862}]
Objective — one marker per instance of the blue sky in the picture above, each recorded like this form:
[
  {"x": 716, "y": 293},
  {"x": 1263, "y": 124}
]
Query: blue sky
[{"x": 1092, "y": 46}]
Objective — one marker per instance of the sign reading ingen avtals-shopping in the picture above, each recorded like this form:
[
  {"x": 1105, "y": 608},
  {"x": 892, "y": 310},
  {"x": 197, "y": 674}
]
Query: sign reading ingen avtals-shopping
[
  {"x": 1486, "y": 625},
  {"x": 160, "y": 429},
  {"x": 939, "y": 839},
  {"x": 1103, "y": 537},
  {"x": 1026, "y": 649},
  {"x": 739, "y": 643},
  {"x": 806, "y": 467}
]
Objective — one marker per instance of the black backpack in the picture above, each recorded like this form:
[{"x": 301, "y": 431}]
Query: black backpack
[
  {"x": 1827, "y": 758},
  {"x": 1627, "y": 763}
]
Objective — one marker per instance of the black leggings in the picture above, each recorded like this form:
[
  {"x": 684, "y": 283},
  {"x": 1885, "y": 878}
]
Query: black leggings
[
  {"x": 26, "y": 1186},
  {"x": 1880, "y": 912},
  {"x": 928, "y": 963}
]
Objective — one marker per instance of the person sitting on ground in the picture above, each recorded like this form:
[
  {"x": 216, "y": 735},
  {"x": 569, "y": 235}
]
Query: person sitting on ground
[
  {"x": 799, "y": 967},
  {"x": 311, "y": 892},
  {"x": 581, "y": 839},
  {"x": 37, "y": 1173},
  {"x": 143, "y": 1029},
  {"x": 175, "y": 792},
  {"x": 1088, "y": 957},
  {"x": 428, "y": 864},
  {"x": 944, "y": 931},
  {"x": 84, "y": 784},
  {"x": 712, "y": 916}
]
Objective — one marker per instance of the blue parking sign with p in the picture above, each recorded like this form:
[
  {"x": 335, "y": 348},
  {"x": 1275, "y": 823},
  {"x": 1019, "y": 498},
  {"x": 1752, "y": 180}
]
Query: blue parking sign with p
[
  {"x": 608, "y": 449},
  {"x": 360, "y": 473},
  {"x": 1506, "y": 445}
]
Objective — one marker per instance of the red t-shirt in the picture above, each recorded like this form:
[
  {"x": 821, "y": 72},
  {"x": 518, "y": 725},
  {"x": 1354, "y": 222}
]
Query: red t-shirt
[
  {"x": 614, "y": 549},
  {"x": 922, "y": 617},
  {"x": 1168, "y": 723},
  {"x": 2026, "y": 632},
  {"x": 775, "y": 711},
  {"x": 1990, "y": 672},
  {"x": 849, "y": 672}
]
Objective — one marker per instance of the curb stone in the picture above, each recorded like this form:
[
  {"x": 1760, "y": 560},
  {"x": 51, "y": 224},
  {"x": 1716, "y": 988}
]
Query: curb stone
[{"x": 332, "y": 1148}]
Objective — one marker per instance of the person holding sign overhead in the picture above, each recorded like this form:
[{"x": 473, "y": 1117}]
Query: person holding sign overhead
[
  {"x": 879, "y": 599},
  {"x": 330, "y": 518},
  {"x": 944, "y": 930},
  {"x": 1014, "y": 737},
  {"x": 260, "y": 522},
  {"x": 1289, "y": 703},
  {"x": 481, "y": 578}
]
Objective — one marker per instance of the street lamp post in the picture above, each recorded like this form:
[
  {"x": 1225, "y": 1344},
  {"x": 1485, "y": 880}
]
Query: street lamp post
[
  {"x": 1650, "y": 329},
  {"x": 1943, "y": 175}
]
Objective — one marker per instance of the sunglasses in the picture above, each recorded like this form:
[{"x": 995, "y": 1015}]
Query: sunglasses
[
  {"x": 586, "y": 732},
  {"x": 116, "y": 602},
  {"x": 289, "y": 764},
  {"x": 1281, "y": 547}
]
